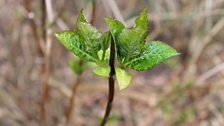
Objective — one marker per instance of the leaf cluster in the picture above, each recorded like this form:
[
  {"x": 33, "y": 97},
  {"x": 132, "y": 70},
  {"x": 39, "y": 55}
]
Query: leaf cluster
[{"x": 131, "y": 49}]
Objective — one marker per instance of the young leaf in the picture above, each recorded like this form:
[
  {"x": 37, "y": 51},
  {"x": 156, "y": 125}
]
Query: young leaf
[
  {"x": 123, "y": 78},
  {"x": 115, "y": 27},
  {"x": 142, "y": 20},
  {"x": 76, "y": 68},
  {"x": 129, "y": 42},
  {"x": 81, "y": 17},
  {"x": 102, "y": 71},
  {"x": 105, "y": 41},
  {"x": 154, "y": 53},
  {"x": 129, "y": 45},
  {"x": 89, "y": 38},
  {"x": 104, "y": 57},
  {"x": 71, "y": 41}
]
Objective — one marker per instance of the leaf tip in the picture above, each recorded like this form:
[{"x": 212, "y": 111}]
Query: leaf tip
[
  {"x": 56, "y": 34},
  {"x": 81, "y": 17}
]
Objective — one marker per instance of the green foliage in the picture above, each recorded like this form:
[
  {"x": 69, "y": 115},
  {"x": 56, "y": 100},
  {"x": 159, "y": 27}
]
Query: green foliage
[
  {"x": 131, "y": 50},
  {"x": 71, "y": 41},
  {"x": 154, "y": 53}
]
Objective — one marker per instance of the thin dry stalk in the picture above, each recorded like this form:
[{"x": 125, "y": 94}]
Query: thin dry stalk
[
  {"x": 70, "y": 107},
  {"x": 44, "y": 84},
  {"x": 33, "y": 25}
]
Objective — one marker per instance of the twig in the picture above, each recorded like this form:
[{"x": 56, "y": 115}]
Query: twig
[
  {"x": 210, "y": 73},
  {"x": 70, "y": 107},
  {"x": 44, "y": 84},
  {"x": 111, "y": 83},
  {"x": 33, "y": 25},
  {"x": 43, "y": 19},
  {"x": 198, "y": 49}
]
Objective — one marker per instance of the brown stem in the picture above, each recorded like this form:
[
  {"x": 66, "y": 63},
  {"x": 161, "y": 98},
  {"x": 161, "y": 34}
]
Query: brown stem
[
  {"x": 43, "y": 19},
  {"x": 111, "y": 83},
  {"x": 46, "y": 69},
  {"x": 70, "y": 107},
  {"x": 44, "y": 84},
  {"x": 33, "y": 26}
]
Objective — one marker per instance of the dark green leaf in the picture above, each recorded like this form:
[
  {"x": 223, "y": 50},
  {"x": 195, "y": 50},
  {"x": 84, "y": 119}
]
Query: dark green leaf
[
  {"x": 154, "y": 53},
  {"x": 71, "y": 41}
]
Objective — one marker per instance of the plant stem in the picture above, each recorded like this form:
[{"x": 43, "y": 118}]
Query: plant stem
[
  {"x": 46, "y": 66},
  {"x": 33, "y": 24},
  {"x": 75, "y": 86},
  {"x": 111, "y": 83}
]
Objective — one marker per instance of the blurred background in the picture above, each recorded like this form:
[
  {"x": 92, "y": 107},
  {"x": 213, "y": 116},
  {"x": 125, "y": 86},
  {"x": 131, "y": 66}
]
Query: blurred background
[{"x": 187, "y": 90}]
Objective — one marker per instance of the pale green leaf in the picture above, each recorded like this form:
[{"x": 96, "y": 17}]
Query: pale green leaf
[
  {"x": 123, "y": 78},
  {"x": 154, "y": 53},
  {"x": 102, "y": 71}
]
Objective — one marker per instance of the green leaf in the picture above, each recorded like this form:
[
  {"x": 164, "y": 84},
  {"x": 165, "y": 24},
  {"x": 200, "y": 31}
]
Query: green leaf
[
  {"x": 71, "y": 41},
  {"x": 81, "y": 17},
  {"x": 89, "y": 38},
  {"x": 104, "y": 57},
  {"x": 105, "y": 40},
  {"x": 142, "y": 20},
  {"x": 129, "y": 42},
  {"x": 75, "y": 66},
  {"x": 123, "y": 78},
  {"x": 154, "y": 53},
  {"x": 129, "y": 45},
  {"x": 115, "y": 26},
  {"x": 102, "y": 71}
]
